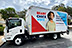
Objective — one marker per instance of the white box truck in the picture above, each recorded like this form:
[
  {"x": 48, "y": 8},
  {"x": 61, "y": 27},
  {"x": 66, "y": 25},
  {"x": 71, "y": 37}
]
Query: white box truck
[{"x": 39, "y": 21}]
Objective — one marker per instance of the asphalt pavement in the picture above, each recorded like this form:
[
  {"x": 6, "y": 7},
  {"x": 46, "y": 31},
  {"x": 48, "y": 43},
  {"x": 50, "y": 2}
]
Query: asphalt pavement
[{"x": 64, "y": 42}]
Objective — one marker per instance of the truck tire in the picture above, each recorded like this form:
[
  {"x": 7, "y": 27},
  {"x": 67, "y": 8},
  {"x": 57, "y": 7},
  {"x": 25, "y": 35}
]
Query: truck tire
[
  {"x": 55, "y": 36},
  {"x": 18, "y": 40}
]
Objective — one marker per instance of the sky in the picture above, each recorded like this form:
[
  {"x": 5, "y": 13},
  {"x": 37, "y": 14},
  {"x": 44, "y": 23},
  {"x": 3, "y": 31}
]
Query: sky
[{"x": 19, "y": 5}]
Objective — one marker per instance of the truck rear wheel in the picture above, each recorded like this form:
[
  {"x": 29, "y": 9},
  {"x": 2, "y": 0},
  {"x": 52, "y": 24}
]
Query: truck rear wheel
[
  {"x": 18, "y": 40},
  {"x": 55, "y": 36}
]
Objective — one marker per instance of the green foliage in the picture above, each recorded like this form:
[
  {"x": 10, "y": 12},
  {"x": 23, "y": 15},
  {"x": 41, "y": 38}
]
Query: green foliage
[
  {"x": 62, "y": 7},
  {"x": 69, "y": 10},
  {"x": 55, "y": 7},
  {"x": 8, "y": 12},
  {"x": 1, "y": 25},
  {"x": 16, "y": 16},
  {"x": 2, "y": 29},
  {"x": 22, "y": 14},
  {"x": 69, "y": 21}
]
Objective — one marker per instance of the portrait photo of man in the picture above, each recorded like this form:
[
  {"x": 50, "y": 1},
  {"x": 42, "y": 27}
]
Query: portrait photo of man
[{"x": 51, "y": 26}]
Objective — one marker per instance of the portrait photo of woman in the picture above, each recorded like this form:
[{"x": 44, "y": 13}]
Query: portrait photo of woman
[{"x": 51, "y": 26}]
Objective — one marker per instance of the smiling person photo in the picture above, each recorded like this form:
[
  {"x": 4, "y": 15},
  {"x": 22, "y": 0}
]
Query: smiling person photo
[{"x": 51, "y": 24}]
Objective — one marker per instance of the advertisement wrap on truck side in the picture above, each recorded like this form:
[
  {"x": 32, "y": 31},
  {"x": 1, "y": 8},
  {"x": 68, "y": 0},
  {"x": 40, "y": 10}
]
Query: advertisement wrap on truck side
[{"x": 38, "y": 21}]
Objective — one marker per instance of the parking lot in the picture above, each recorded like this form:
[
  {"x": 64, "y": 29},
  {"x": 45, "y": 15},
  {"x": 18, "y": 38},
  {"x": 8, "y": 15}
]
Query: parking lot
[{"x": 64, "y": 42}]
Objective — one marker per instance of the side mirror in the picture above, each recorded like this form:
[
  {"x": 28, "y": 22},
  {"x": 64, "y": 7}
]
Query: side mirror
[{"x": 6, "y": 22}]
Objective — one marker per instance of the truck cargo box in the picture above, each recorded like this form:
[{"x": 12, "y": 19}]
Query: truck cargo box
[{"x": 38, "y": 21}]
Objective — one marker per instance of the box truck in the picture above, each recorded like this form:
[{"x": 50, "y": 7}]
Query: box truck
[{"x": 39, "y": 21}]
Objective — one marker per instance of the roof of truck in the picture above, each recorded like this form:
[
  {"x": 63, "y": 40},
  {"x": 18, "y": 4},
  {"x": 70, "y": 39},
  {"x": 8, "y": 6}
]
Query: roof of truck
[{"x": 44, "y": 8}]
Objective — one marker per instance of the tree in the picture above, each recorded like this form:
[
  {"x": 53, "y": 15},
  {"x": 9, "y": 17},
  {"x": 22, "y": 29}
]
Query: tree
[
  {"x": 61, "y": 6},
  {"x": 22, "y": 14},
  {"x": 55, "y": 7},
  {"x": 62, "y": 9},
  {"x": 8, "y": 12},
  {"x": 69, "y": 10}
]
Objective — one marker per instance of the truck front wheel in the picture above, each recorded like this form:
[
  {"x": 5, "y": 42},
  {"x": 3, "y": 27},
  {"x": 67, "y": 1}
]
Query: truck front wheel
[{"x": 18, "y": 40}]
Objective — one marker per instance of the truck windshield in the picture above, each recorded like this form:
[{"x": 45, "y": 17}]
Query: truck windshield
[{"x": 13, "y": 23}]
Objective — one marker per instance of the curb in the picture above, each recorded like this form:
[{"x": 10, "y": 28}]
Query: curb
[{"x": 1, "y": 42}]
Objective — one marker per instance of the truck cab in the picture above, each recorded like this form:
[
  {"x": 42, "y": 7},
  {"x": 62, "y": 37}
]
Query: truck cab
[{"x": 14, "y": 28}]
